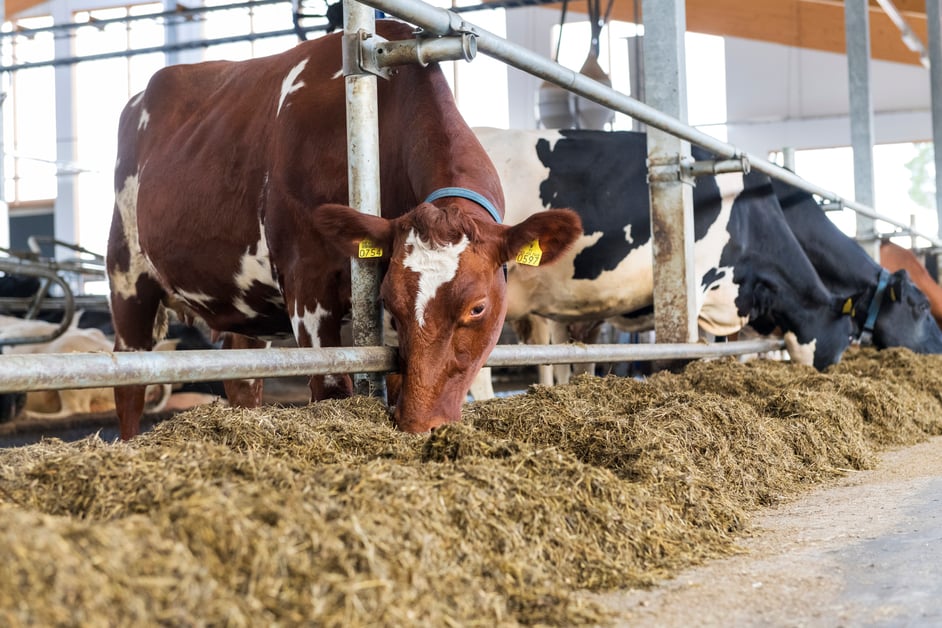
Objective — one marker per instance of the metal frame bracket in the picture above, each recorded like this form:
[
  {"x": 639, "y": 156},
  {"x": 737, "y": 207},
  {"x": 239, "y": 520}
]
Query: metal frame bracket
[
  {"x": 670, "y": 169},
  {"x": 719, "y": 166},
  {"x": 368, "y": 53}
]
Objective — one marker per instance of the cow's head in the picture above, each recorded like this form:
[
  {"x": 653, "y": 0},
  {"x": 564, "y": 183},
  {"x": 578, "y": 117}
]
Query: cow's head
[
  {"x": 444, "y": 291},
  {"x": 902, "y": 315}
]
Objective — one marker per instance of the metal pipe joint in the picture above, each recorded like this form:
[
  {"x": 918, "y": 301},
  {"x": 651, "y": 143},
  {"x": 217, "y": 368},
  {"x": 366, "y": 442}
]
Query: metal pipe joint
[{"x": 369, "y": 53}]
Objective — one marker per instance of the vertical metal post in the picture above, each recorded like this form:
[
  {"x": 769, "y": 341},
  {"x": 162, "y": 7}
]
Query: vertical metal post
[
  {"x": 671, "y": 195},
  {"x": 857, "y": 36},
  {"x": 788, "y": 157},
  {"x": 636, "y": 64},
  {"x": 178, "y": 31},
  {"x": 934, "y": 27},
  {"x": 4, "y": 206},
  {"x": 363, "y": 185},
  {"x": 66, "y": 208}
]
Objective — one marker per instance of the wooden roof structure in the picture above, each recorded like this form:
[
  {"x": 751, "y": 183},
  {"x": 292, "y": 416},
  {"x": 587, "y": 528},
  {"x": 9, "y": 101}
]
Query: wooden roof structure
[{"x": 813, "y": 24}]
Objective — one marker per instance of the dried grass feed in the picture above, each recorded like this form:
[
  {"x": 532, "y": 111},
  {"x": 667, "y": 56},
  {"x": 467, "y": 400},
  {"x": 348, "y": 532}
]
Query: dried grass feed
[{"x": 325, "y": 515}]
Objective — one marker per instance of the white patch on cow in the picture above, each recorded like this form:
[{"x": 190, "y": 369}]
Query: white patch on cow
[
  {"x": 136, "y": 100},
  {"x": 434, "y": 265},
  {"x": 716, "y": 301},
  {"x": 255, "y": 267},
  {"x": 290, "y": 84},
  {"x": 124, "y": 282},
  {"x": 521, "y": 171},
  {"x": 309, "y": 322},
  {"x": 628, "y": 237},
  {"x": 718, "y": 313},
  {"x": 800, "y": 353},
  {"x": 200, "y": 299},
  {"x": 145, "y": 118}
]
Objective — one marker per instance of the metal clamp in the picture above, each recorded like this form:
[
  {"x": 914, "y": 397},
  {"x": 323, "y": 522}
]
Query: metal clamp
[
  {"x": 368, "y": 53},
  {"x": 670, "y": 169},
  {"x": 720, "y": 166}
]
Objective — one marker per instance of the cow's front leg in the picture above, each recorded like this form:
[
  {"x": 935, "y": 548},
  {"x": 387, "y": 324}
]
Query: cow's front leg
[
  {"x": 243, "y": 393},
  {"x": 318, "y": 327}
]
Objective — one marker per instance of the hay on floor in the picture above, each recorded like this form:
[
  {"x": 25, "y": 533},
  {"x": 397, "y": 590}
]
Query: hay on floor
[{"x": 327, "y": 515}]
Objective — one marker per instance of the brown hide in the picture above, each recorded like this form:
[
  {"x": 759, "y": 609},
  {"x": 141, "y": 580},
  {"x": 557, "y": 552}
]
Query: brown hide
[
  {"x": 231, "y": 194},
  {"x": 894, "y": 257}
]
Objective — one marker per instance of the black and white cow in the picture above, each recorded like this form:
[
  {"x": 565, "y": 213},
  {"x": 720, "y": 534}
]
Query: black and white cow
[
  {"x": 749, "y": 265},
  {"x": 888, "y": 306}
]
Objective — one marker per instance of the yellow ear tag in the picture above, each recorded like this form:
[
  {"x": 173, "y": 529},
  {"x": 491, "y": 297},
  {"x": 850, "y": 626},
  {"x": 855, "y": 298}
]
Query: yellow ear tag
[
  {"x": 531, "y": 254},
  {"x": 368, "y": 249},
  {"x": 848, "y": 307}
]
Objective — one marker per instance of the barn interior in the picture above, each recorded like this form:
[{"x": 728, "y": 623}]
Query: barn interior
[
  {"x": 538, "y": 508},
  {"x": 771, "y": 78}
]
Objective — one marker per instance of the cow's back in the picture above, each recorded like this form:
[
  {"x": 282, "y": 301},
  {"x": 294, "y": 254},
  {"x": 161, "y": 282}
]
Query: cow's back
[
  {"x": 209, "y": 155},
  {"x": 894, "y": 257}
]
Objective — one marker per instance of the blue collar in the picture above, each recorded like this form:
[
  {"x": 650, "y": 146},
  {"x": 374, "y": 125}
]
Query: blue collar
[
  {"x": 468, "y": 194},
  {"x": 876, "y": 301}
]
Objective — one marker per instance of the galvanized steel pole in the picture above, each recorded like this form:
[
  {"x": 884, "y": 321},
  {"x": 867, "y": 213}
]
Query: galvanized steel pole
[
  {"x": 934, "y": 28},
  {"x": 55, "y": 371},
  {"x": 363, "y": 182},
  {"x": 857, "y": 36},
  {"x": 671, "y": 190}
]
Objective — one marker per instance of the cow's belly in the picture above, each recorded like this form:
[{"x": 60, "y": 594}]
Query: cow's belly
[
  {"x": 234, "y": 291},
  {"x": 552, "y": 292}
]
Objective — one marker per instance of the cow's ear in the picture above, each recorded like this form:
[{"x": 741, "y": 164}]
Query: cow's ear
[
  {"x": 897, "y": 285},
  {"x": 542, "y": 238},
  {"x": 354, "y": 233}
]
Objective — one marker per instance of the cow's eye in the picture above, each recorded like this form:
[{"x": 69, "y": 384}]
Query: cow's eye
[{"x": 478, "y": 310}]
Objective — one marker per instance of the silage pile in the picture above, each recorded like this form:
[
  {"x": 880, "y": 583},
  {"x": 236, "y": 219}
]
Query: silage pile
[{"x": 326, "y": 515}]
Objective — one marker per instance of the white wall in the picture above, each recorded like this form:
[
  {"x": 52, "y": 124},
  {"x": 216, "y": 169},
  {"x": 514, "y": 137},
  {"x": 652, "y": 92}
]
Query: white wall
[{"x": 779, "y": 96}]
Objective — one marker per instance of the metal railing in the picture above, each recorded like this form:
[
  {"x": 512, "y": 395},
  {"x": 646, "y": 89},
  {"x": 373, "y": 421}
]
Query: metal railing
[{"x": 40, "y": 372}]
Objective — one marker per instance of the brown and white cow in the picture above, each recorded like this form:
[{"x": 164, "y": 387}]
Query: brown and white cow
[{"x": 231, "y": 194}]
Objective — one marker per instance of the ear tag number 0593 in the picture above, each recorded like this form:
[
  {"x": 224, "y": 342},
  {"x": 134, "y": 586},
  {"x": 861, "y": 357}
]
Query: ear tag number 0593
[
  {"x": 369, "y": 249},
  {"x": 531, "y": 254}
]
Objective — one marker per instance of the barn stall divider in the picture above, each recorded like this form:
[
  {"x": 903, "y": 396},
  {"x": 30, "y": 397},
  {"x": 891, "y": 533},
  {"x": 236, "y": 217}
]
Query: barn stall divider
[{"x": 45, "y": 372}]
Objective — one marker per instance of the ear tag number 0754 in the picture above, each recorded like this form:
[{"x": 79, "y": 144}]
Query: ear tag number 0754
[
  {"x": 369, "y": 249},
  {"x": 531, "y": 254}
]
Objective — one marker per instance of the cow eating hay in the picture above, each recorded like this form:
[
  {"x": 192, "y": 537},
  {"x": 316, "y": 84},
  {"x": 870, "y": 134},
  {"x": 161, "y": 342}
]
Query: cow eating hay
[
  {"x": 231, "y": 207},
  {"x": 328, "y": 515}
]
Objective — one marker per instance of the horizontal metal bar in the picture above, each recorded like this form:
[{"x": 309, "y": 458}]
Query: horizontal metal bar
[
  {"x": 424, "y": 50},
  {"x": 719, "y": 166},
  {"x": 20, "y": 372},
  {"x": 520, "y": 355},
  {"x": 53, "y": 371},
  {"x": 181, "y": 14},
  {"x": 55, "y": 304},
  {"x": 188, "y": 45},
  {"x": 444, "y": 22}
]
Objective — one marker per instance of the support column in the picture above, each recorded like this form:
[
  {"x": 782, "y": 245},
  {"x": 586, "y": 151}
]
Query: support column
[
  {"x": 4, "y": 205},
  {"x": 675, "y": 303},
  {"x": 934, "y": 27},
  {"x": 857, "y": 35},
  {"x": 66, "y": 203},
  {"x": 363, "y": 186},
  {"x": 178, "y": 31}
]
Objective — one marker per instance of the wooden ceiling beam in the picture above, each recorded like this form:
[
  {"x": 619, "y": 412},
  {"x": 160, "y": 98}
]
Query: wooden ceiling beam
[
  {"x": 813, "y": 24},
  {"x": 12, "y": 7}
]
